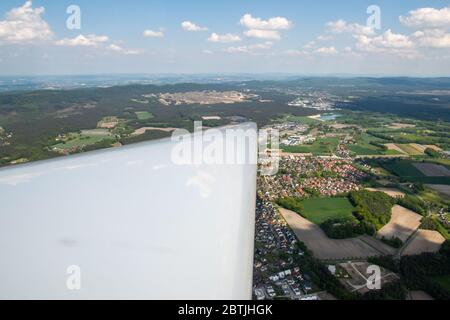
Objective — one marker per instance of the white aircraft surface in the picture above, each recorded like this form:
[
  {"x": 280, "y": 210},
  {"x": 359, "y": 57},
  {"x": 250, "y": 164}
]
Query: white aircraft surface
[{"x": 127, "y": 223}]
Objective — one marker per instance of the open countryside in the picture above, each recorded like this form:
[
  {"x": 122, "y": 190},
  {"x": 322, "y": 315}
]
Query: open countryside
[{"x": 318, "y": 210}]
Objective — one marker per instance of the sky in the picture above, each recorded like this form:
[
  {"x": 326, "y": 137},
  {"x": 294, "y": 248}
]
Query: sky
[{"x": 305, "y": 37}]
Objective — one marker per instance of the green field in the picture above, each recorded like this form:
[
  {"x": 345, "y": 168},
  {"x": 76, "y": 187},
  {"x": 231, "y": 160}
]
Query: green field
[
  {"x": 409, "y": 149},
  {"x": 362, "y": 150},
  {"x": 143, "y": 115},
  {"x": 300, "y": 119},
  {"x": 96, "y": 132},
  {"x": 322, "y": 146},
  {"x": 405, "y": 169},
  {"x": 318, "y": 210},
  {"x": 87, "y": 137},
  {"x": 363, "y": 146}
]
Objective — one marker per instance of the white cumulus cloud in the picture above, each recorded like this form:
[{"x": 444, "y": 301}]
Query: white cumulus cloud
[
  {"x": 264, "y": 29},
  {"x": 119, "y": 49},
  {"x": 224, "y": 38},
  {"x": 434, "y": 38},
  {"x": 190, "y": 26},
  {"x": 341, "y": 26},
  {"x": 25, "y": 24},
  {"x": 275, "y": 23},
  {"x": 328, "y": 51},
  {"x": 263, "y": 34},
  {"x": 98, "y": 42},
  {"x": 251, "y": 49},
  {"x": 90, "y": 40},
  {"x": 153, "y": 33},
  {"x": 427, "y": 18},
  {"x": 387, "y": 40}
]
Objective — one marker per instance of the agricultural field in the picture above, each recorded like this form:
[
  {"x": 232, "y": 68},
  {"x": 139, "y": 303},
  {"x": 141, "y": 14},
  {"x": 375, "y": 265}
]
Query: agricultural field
[
  {"x": 424, "y": 241},
  {"x": 325, "y": 248},
  {"x": 407, "y": 170},
  {"x": 402, "y": 224},
  {"x": 399, "y": 125},
  {"x": 410, "y": 149},
  {"x": 363, "y": 146},
  {"x": 299, "y": 119},
  {"x": 369, "y": 150},
  {"x": 143, "y": 130},
  {"x": 108, "y": 123},
  {"x": 322, "y": 146},
  {"x": 441, "y": 188},
  {"x": 319, "y": 210},
  {"x": 143, "y": 115},
  {"x": 432, "y": 170},
  {"x": 74, "y": 141},
  {"x": 394, "y": 147},
  {"x": 394, "y": 193}
]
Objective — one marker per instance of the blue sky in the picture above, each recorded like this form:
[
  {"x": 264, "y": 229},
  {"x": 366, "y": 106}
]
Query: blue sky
[{"x": 302, "y": 37}]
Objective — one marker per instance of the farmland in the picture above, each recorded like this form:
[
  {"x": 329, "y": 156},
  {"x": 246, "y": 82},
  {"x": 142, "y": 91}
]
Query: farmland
[
  {"x": 366, "y": 144},
  {"x": 406, "y": 169},
  {"x": 143, "y": 115},
  {"x": 402, "y": 224},
  {"x": 323, "y": 146},
  {"x": 424, "y": 241},
  {"x": 325, "y": 248},
  {"x": 432, "y": 170},
  {"x": 300, "y": 119},
  {"x": 74, "y": 141},
  {"x": 318, "y": 210}
]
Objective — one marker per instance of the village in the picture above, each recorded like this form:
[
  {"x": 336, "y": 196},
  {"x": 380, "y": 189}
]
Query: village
[
  {"x": 299, "y": 176},
  {"x": 276, "y": 274}
]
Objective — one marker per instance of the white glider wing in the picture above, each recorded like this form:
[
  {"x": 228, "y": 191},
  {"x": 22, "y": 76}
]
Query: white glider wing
[{"x": 127, "y": 223}]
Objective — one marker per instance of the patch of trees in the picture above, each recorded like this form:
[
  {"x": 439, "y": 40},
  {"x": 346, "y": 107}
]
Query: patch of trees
[
  {"x": 394, "y": 242},
  {"x": 386, "y": 262},
  {"x": 417, "y": 271},
  {"x": 291, "y": 203},
  {"x": 413, "y": 203},
  {"x": 346, "y": 228},
  {"x": 312, "y": 192},
  {"x": 373, "y": 208},
  {"x": 432, "y": 153},
  {"x": 428, "y": 223},
  {"x": 390, "y": 291}
]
